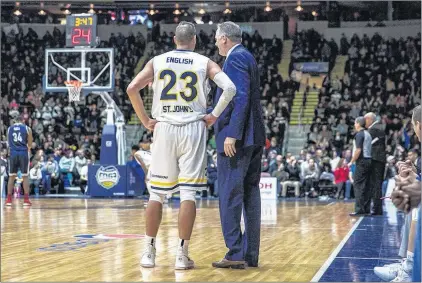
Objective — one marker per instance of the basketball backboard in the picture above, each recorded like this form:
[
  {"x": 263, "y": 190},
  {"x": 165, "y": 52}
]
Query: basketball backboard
[{"x": 94, "y": 67}]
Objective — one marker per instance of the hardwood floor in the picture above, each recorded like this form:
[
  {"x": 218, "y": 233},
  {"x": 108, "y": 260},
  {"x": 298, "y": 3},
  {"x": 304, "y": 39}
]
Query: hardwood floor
[{"x": 38, "y": 243}]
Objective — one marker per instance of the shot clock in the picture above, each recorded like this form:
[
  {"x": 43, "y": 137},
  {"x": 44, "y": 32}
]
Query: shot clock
[{"x": 81, "y": 30}]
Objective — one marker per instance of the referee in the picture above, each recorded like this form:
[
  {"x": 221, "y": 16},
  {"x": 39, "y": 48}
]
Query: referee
[
  {"x": 362, "y": 157},
  {"x": 377, "y": 132}
]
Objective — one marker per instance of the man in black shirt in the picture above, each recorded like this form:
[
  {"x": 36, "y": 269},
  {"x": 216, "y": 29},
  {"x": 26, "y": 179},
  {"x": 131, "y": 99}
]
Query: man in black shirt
[
  {"x": 362, "y": 157},
  {"x": 377, "y": 132}
]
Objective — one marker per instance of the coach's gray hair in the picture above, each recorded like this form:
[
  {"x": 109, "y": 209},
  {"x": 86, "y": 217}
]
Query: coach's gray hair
[
  {"x": 185, "y": 32},
  {"x": 371, "y": 115},
  {"x": 231, "y": 30}
]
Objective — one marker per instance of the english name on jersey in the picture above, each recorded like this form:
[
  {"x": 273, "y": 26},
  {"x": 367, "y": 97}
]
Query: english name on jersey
[{"x": 180, "y": 87}]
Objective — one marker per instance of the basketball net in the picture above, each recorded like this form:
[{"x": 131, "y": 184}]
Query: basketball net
[{"x": 74, "y": 89}]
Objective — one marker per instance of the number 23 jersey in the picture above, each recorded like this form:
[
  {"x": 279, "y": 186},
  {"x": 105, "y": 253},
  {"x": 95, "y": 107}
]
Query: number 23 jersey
[{"x": 180, "y": 87}]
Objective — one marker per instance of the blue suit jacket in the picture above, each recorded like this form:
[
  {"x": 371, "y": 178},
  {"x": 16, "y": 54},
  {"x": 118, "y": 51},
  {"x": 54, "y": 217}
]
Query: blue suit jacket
[{"x": 242, "y": 119}]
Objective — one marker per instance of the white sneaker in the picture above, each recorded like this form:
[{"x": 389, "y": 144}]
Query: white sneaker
[
  {"x": 183, "y": 261},
  {"x": 403, "y": 275},
  {"x": 387, "y": 272},
  {"x": 148, "y": 257}
]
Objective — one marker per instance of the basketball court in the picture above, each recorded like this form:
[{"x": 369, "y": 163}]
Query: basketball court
[
  {"x": 102, "y": 240},
  {"x": 40, "y": 243}
]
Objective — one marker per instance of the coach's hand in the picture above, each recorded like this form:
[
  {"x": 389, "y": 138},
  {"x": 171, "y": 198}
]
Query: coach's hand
[
  {"x": 210, "y": 119},
  {"x": 150, "y": 125},
  {"x": 230, "y": 146}
]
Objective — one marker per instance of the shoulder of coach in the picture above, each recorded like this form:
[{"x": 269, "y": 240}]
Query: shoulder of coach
[
  {"x": 377, "y": 131},
  {"x": 242, "y": 55}
]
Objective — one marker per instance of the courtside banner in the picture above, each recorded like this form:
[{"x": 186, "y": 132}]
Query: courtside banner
[
  {"x": 268, "y": 188},
  {"x": 312, "y": 67},
  {"x": 107, "y": 180}
]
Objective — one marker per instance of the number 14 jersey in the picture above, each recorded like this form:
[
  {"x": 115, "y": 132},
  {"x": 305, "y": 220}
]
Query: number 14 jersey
[{"x": 180, "y": 87}]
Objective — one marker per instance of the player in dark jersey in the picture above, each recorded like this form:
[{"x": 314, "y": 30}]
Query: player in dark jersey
[{"x": 19, "y": 138}]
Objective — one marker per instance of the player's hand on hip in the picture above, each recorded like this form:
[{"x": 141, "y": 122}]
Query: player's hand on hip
[
  {"x": 210, "y": 119},
  {"x": 150, "y": 125},
  {"x": 230, "y": 146}
]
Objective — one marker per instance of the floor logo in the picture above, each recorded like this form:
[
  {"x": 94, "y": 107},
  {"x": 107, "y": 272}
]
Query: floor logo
[
  {"x": 71, "y": 246},
  {"x": 107, "y": 177},
  {"x": 109, "y": 236}
]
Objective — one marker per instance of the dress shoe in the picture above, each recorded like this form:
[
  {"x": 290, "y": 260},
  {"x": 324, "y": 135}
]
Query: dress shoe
[
  {"x": 225, "y": 263},
  {"x": 251, "y": 264}
]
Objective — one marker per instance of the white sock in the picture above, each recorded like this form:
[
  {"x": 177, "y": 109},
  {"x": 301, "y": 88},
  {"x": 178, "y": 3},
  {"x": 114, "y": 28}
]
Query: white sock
[
  {"x": 408, "y": 266},
  {"x": 184, "y": 244},
  {"x": 149, "y": 241}
]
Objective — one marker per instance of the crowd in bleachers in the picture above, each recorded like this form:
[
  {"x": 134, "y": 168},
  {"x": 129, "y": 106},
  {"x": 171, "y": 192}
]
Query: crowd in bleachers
[
  {"x": 310, "y": 46},
  {"x": 60, "y": 129},
  {"x": 381, "y": 76}
]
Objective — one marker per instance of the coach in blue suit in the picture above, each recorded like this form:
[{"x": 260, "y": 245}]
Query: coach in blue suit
[{"x": 240, "y": 137}]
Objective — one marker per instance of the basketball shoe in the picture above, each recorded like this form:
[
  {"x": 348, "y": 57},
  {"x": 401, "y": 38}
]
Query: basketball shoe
[
  {"x": 9, "y": 200},
  {"x": 27, "y": 202},
  {"x": 387, "y": 272},
  {"x": 183, "y": 261},
  {"x": 148, "y": 257},
  {"x": 404, "y": 273}
]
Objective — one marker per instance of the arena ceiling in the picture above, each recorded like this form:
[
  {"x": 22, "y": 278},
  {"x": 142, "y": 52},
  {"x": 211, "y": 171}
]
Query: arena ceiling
[{"x": 194, "y": 6}]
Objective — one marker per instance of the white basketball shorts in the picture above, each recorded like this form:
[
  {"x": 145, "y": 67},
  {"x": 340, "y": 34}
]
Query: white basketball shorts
[{"x": 179, "y": 158}]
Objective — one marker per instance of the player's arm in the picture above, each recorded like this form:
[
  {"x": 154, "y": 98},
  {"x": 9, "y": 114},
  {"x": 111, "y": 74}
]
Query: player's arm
[
  {"x": 30, "y": 138},
  {"x": 220, "y": 78},
  {"x": 359, "y": 145},
  {"x": 138, "y": 158},
  {"x": 139, "y": 82}
]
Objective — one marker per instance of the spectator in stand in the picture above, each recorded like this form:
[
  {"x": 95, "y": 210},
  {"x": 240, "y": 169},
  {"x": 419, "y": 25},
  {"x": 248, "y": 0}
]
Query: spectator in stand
[
  {"x": 51, "y": 174},
  {"x": 414, "y": 156},
  {"x": 341, "y": 175},
  {"x": 294, "y": 177},
  {"x": 80, "y": 161},
  {"x": 35, "y": 177},
  {"x": 273, "y": 162},
  {"x": 67, "y": 166},
  {"x": 310, "y": 178},
  {"x": 280, "y": 173}
]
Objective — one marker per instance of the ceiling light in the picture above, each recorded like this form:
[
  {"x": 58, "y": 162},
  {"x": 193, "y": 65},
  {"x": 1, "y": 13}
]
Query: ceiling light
[
  {"x": 268, "y": 7},
  {"x": 17, "y": 12},
  {"x": 91, "y": 11},
  {"x": 201, "y": 11},
  {"x": 177, "y": 11},
  {"x": 314, "y": 13},
  {"x": 227, "y": 10},
  {"x": 41, "y": 13},
  {"x": 299, "y": 7},
  {"x": 67, "y": 12}
]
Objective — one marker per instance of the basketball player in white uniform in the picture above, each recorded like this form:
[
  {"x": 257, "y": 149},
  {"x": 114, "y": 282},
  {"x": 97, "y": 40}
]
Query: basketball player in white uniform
[{"x": 180, "y": 131}]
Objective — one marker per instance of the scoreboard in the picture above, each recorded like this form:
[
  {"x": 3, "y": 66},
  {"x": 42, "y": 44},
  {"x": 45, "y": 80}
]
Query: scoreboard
[{"x": 81, "y": 30}]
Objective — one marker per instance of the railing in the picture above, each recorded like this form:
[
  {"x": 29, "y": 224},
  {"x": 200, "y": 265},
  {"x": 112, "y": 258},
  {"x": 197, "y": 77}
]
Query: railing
[{"x": 286, "y": 137}]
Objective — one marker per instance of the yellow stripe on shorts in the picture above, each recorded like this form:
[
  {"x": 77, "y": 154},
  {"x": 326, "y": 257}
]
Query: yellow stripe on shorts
[{"x": 181, "y": 180}]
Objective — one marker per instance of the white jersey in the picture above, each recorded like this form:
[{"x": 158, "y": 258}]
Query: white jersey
[{"x": 180, "y": 87}]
